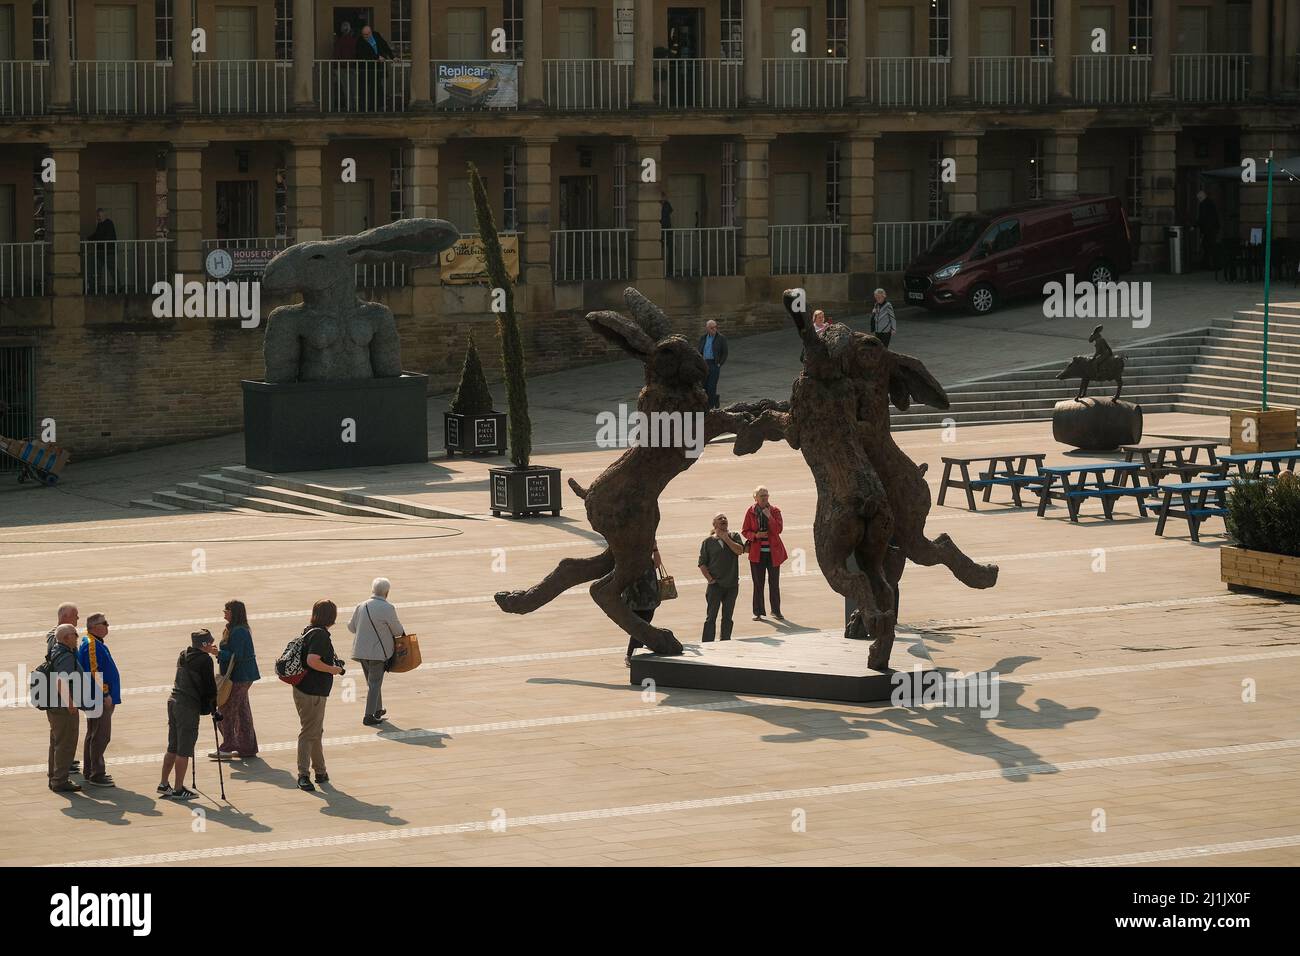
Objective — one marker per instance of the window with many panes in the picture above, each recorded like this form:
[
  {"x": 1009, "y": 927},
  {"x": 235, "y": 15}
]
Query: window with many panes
[
  {"x": 620, "y": 185},
  {"x": 837, "y": 29},
  {"x": 833, "y": 180},
  {"x": 399, "y": 26},
  {"x": 396, "y": 195},
  {"x": 512, "y": 19},
  {"x": 284, "y": 29},
  {"x": 936, "y": 198},
  {"x": 940, "y": 28},
  {"x": 733, "y": 29},
  {"x": 1040, "y": 27},
  {"x": 41, "y": 205},
  {"x": 1139, "y": 27},
  {"x": 41, "y": 31},
  {"x": 729, "y": 171},
  {"x": 281, "y": 200},
  {"x": 1135, "y": 177},
  {"x": 1035, "y": 168},
  {"x": 510, "y": 191},
  {"x": 162, "y": 29}
]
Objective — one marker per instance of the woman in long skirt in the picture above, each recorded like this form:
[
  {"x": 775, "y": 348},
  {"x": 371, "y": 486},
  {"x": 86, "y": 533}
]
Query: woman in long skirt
[{"x": 238, "y": 660}]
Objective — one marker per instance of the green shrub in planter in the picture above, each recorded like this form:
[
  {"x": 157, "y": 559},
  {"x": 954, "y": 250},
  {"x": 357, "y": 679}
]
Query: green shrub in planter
[
  {"x": 472, "y": 395},
  {"x": 1264, "y": 514},
  {"x": 471, "y": 425}
]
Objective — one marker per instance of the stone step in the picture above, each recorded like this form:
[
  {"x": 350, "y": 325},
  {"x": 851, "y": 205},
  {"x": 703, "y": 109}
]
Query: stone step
[
  {"x": 1001, "y": 418},
  {"x": 1053, "y": 384},
  {"x": 152, "y": 505},
  {"x": 234, "y": 487},
  {"x": 395, "y": 506},
  {"x": 185, "y": 502},
  {"x": 994, "y": 399}
]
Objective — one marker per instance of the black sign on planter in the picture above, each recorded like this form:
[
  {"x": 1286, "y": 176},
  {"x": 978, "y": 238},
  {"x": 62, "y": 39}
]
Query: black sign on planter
[
  {"x": 485, "y": 433},
  {"x": 538, "y": 491},
  {"x": 500, "y": 492},
  {"x": 453, "y": 432}
]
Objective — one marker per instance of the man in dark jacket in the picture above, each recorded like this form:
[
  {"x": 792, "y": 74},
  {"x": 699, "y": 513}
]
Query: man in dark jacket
[
  {"x": 373, "y": 51},
  {"x": 194, "y": 694},
  {"x": 64, "y": 690},
  {"x": 104, "y": 257},
  {"x": 1207, "y": 223},
  {"x": 713, "y": 346}
]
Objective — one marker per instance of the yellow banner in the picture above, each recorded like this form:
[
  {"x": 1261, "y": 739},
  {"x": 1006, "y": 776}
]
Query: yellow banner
[{"x": 463, "y": 263}]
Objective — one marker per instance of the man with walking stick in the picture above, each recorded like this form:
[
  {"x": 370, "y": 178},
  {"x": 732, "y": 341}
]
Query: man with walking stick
[{"x": 194, "y": 694}]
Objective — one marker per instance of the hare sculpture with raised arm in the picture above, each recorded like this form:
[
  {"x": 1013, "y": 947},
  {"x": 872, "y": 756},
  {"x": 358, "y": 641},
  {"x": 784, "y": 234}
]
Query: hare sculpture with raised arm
[{"x": 332, "y": 335}]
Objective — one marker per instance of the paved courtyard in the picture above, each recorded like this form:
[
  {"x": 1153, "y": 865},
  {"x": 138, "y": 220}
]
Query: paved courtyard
[{"x": 1121, "y": 734}]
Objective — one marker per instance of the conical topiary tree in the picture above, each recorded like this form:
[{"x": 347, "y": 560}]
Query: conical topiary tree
[
  {"x": 472, "y": 395},
  {"x": 512, "y": 347}
]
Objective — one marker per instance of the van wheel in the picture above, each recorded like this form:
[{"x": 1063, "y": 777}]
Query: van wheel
[
  {"x": 983, "y": 299},
  {"x": 1100, "y": 272}
]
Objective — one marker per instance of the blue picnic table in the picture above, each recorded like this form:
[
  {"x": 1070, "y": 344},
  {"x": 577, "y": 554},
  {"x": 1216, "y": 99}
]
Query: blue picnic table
[
  {"x": 1259, "y": 459},
  {"x": 1194, "y": 511},
  {"x": 1075, "y": 483}
]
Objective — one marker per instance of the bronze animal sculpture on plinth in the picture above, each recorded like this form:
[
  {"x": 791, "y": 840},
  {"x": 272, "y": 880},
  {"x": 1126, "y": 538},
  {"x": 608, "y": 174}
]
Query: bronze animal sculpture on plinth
[
  {"x": 1102, "y": 366},
  {"x": 623, "y": 501},
  {"x": 331, "y": 335}
]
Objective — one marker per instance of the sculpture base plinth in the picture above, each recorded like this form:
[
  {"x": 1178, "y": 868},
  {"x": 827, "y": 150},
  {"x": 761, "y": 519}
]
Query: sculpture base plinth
[
  {"x": 312, "y": 426},
  {"x": 812, "y": 666},
  {"x": 1096, "y": 424}
]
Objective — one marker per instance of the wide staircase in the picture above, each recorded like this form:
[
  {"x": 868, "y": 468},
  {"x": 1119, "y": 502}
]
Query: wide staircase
[{"x": 1207, "y": 370}]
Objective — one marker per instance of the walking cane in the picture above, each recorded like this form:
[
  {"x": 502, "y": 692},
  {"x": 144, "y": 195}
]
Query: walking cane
[{"x": 220, "y": 773}]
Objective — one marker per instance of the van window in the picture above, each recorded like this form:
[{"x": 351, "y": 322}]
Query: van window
[{"x": 1003, "y": 236}]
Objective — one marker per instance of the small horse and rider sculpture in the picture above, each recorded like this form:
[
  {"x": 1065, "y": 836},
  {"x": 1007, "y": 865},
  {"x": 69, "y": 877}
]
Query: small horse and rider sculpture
[{"x": 1102, "y": 366}]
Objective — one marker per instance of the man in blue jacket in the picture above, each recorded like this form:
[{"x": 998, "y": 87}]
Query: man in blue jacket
[{"x": 98, "y": 665}]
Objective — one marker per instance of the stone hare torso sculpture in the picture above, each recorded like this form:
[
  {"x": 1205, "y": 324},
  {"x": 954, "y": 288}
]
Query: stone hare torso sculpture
[
  {"x": 1102, "y": 366},
  {"x": 332, "y": 335}
]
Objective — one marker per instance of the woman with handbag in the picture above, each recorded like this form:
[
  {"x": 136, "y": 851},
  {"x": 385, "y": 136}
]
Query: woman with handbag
[
  {"x": 375, "y": 624},
  {"x": 237, "y": 664},
  {"x": 645, "y": 594}
]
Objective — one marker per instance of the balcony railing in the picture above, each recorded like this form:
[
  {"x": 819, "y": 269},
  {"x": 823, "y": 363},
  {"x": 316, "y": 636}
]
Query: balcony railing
[
  {"x": 24, "y": 89},
  {"x": 243, "y": 86},
  {"x": 709, "y": 251},
  {"x": 806, "y": 249},
  {"x": 121, "y": 87},
  {"x": 249, "y": 256},
  {"x": 898, "y": 243},
  {"x": 362, "y": 86},
  {"x": 1010, "y": 80},
  {"x": 588, "y": 84},
  {"x": 124, "y": 267},
  {"x": 1107, "y": 79},
  {"x": 590, "y": 255},
  {"x": 22, "y": 269},
  {"x": 1210, "y": 77},
  {"x": 698, "y": 84},
  {"x": 907, "y": 81},
  {"x": 804, "y": 82},
  {"x": 476, "y": 84},
  {"x": 378, "y": 275}
]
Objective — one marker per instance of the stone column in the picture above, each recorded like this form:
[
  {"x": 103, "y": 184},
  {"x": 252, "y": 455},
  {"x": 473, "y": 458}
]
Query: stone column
[
  {"x": 1259, "y": 28},
  {"x": 1162, "y": 43},
  {"x": 1159, "y": 198},
  {"x": 857, "y": 93},
  {"x": 959, "y": 50},
  {"x": 1063, "y": 51},
  {"x": 963, "y": 195},
  {"x": 534, "y": 169},
  {"x": 421, "y": 65},
  {"x": 643, "y": 48},
  {"x": 303, "y": 179},
  {"x": 534, "y": 92},
  {"x": 185, "y": 204},
  {"x": 647, "y": 244},
  {"x": 65, "y": 223},
  {"x": 752, "y": 51},
  {"x": 1061, "y": 163},
  {"x": 60, "y": 61},
  {"x": 858, "y": 180},
  {"x": 420, "y": 164},
  {"x": 752, "y": 181},
  {"x": 182, "y": 56},
  {"x": 304, "y": 54}
]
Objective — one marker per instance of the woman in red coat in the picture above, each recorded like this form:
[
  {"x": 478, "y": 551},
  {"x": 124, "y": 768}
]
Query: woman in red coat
[{"x": 762, "y": 532}]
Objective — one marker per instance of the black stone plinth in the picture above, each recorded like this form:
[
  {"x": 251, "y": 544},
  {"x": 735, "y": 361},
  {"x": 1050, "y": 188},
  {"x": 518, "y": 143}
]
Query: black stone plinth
[
  {"x": 300, "y": 426},
  {"x": 815, "y": 666},
  {"x": 1096, "y": 424}
]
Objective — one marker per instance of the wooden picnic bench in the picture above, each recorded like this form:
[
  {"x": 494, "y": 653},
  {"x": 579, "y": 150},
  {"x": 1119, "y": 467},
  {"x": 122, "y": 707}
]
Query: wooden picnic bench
[
  {"x": 1003, "y": 469},
  {"x": 1156, "y": 456},
  {"x": 1108, "y": 491},
  {"x": 1194, "y": 511},
  {"x": 1275, "y": 458}
]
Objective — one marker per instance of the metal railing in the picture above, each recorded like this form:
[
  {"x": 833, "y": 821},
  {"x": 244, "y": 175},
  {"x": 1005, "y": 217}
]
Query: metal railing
[
  {"x": 590, "y": 255},
  {"x": 898, "y": 243},
  {"x": 907, "y": 81},
  {"x": 249, "y": 256},
  {"x": 475, "y": 84},
  {"x": 362, "y": 86},
  {"x": 815, "y": 248},
  {"x": 379, "y": 275},
  {"x": 1210, "y": 77},
  {"x": 124, "y": 267},
  {"x": 121, "y": 87},
  {"x": 588, "y": 84},
  {"x": 1105, "y": 79},
  {"x": 804, "y": 82},
  {"x": 24, "y": 89},
  {"x": 22, "y": 268},
  {"x": 1010, "y": 80},
  {"x": 243, "y": 86},
  {"x": 698, "y": 84},
  {"x": 703, "y": 251}
]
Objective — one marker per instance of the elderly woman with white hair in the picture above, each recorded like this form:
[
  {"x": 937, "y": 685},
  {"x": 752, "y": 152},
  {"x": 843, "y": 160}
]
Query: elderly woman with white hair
[
  {"x": 883, "y": 323},
  {"x": 375, "y": 624}
]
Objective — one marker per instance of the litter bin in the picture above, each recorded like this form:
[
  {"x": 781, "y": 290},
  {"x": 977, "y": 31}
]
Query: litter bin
[{"x": 1175, "y": 250}]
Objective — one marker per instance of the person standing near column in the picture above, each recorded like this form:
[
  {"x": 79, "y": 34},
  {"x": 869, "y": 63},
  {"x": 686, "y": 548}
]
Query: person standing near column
[
  {"x": 713, "y": 346},
  {"x": 883, "y": 323},
  {"x": 762, "y": 532},
  {"x": 720, "y": 564},
  {"x": 98, "y": 665}
]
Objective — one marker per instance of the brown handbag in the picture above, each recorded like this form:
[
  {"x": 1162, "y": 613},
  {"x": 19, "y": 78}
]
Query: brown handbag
[
  {"x": 224, "y": 684},
  {"x": 667, "y": 586},
  {"x": 406, "y": 653}
]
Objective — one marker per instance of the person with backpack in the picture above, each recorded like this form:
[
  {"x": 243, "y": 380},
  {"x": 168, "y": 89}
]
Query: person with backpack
[
  {"x": 237, "y": 661},
  {"x": 194, "y": 695},
  {"x": 375, "y": 624},
  {"x": 61, "y": 680},
  {"x": 319, "y": 664}
]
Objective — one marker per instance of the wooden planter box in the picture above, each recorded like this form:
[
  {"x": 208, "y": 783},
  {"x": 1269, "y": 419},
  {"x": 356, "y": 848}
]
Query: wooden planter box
[
  {"x": 1274, "y": 430},
  {"x": 474, "y": 434},
  {"x": 1260, "y": 570},
  {"x": 524, "y": 491}
]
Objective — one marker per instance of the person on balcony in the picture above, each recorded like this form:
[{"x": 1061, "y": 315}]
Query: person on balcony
[
  {"x": 104, "y": 255},
  {"x": 665, "y": 232},
  {"x": 373, "y": 51},
  {"x": 345, "y": 51}
]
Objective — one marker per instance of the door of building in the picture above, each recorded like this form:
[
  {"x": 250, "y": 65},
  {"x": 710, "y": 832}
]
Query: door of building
[
  {"x": 118, "y": 200},
  {"x": 459, "y": 205},
  {"x": 789, "y": 76},
  {"x": 17, "y": 396},
  {"x": 791, "y": 206},
  {"x": 997, "y": 38},
  {"x": 898, "y": 241},
  {"x": 894, "y": 39},
  {"x": 115, "y": 83},
  {"x": 7, "y": 31},
  {"x": 577, "y": 80},
  {"x": 352, "y": 205},
  {"x": 465, "y": 33},
  {"x": 8, "y": 218},
  {"x": 688, "y": 250},
  {"x": 235, "y": 45},
  {"x": 237, "y": 209},
  {"x": 1193, "y": 30},
  {"x": 577, "y": 202},
  {"x": 996, "y": 187}
]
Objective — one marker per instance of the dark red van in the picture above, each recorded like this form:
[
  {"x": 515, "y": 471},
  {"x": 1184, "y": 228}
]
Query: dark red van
[{"x": 983, "y": 258}]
